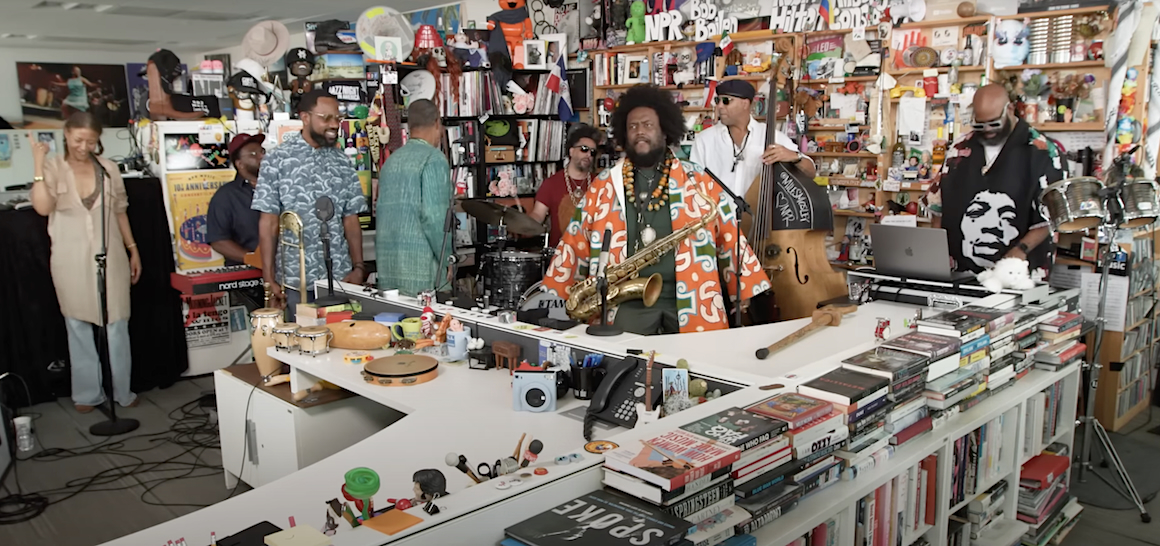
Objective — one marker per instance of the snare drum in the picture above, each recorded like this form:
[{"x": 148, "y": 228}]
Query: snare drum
[
  {"x": 509, "y": 274},
  {"x": 1074, "y": 204},
  {"x": 262, "y": 323},
  {"x": 537, "y": 298},
  {"x": 314, "y": 340},
  {"x": 1141, "y": 202},
  {"x": 284, "y": 336}
]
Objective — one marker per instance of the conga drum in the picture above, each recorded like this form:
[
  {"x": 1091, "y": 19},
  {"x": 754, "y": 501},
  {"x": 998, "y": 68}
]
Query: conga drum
[
  {"x": 262, "y": 322},
  {"x": 285, "y": 336},
  {"x": 314, "y": 340}
]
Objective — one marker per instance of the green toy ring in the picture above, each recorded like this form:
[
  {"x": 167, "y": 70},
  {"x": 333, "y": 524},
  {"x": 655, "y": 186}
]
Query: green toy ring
[{"x": 362, "y": 483}]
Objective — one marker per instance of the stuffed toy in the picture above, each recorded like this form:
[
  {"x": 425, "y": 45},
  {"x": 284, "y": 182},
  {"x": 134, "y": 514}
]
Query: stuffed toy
[
  {"x": 1008, "y": 273},
  {"x": 635, "y": 23},
  {"x": 515, "y": 26},
  {"x": 427, "y": 323}
]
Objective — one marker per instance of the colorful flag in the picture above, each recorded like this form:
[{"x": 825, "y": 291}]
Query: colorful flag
[
  {"x": 826, "y": 14},
  {"x": 726, "y": 43},
  {"x": 558, "y": 83}
]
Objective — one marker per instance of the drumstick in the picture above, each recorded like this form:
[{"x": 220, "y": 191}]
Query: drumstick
[{"x": 516, "y": 453}]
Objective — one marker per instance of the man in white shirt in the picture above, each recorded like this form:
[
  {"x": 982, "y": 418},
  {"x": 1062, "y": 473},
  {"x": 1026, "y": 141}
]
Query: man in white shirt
[{"x": 734, "y": 149}]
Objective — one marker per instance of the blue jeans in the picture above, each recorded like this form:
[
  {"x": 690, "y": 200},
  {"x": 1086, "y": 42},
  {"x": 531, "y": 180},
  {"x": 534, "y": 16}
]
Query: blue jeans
[
  {"x": 86, "y": 365},
  {"x": 293, "y": 298}
]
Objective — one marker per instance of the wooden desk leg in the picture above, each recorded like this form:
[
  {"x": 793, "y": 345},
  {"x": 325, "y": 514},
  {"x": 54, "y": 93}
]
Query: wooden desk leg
[{"x": 302, "y": 382}]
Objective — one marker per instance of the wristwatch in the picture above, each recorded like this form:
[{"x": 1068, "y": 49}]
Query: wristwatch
[
  {"x": 1023, "y": 246},
  {"x": 799, "y": 159}
]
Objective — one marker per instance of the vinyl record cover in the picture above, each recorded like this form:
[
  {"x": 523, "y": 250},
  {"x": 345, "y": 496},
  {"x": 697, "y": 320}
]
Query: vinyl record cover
[
  {"x": 601, "y": 518},
  {"x": 738, "y": 428}
]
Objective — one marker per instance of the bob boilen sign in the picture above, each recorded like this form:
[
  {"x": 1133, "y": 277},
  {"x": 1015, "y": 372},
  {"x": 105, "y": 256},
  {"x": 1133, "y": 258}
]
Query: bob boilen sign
[
  {"x": 707, "y": 20},
  {"x": 806, "y": 15}
]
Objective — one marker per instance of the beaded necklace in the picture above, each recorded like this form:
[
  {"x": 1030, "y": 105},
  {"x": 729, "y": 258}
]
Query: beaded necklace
[{"x": 654, "y": 202}]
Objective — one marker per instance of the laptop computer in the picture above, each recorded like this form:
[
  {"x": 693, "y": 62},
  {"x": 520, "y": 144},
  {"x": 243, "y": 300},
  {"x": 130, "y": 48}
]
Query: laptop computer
[{"x": 914, "y": 253}]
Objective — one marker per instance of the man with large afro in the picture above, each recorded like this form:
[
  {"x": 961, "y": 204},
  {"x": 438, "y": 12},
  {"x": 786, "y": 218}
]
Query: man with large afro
[{"x": 639, "y": 201}]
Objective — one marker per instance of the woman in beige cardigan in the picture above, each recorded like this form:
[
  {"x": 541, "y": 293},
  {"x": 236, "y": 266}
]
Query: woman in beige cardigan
[{"x": 73, "y": 191}]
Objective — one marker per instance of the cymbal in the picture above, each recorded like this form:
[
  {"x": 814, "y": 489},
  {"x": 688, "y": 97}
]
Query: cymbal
[{"x": 495, "y": 214}]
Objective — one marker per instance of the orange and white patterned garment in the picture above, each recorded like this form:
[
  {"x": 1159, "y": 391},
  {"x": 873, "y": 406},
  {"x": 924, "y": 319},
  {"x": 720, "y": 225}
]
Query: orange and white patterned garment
[{"x": 699, "y": 257}]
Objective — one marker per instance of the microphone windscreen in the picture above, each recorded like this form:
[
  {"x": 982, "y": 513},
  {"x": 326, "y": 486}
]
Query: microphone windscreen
[
  {"x": 451, "y": 459},
  {"x": 324, "y": 208},
  {"x": 536, "y": 447},
  {"x": 604, "y": 246}
]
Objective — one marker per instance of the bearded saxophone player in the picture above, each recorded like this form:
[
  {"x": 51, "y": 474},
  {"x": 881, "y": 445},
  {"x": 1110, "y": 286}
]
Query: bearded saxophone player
[{"x": 667, "y": 218}]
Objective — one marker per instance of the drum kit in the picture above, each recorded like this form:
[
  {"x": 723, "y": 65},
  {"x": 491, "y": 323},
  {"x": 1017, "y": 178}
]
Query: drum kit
[
  {"x": 512, "y": 279},
  {"x": 1077, "y": 204}
]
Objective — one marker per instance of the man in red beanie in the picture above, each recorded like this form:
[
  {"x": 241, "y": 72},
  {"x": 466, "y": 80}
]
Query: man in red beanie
[{"x": 232, "y": 226}]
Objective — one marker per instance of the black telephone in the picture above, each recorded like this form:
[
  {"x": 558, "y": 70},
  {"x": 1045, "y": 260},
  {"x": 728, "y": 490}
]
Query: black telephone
[{"x": 615, "y": 399}]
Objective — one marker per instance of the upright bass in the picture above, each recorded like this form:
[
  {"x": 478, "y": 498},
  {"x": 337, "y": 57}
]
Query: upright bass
[{"x": 791, "y": 218}]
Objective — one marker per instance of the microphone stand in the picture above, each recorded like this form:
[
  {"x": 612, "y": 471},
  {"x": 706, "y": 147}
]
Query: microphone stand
[
  {"x": 604, "y": 329},
  {"x": 742, "y": 207},
  {"x": 330, "y": 299},
  {"x": 112, "y": 426}
]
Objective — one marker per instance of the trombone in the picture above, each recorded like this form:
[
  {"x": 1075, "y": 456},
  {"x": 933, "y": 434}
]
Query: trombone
[{"x": 289, "y": 221}]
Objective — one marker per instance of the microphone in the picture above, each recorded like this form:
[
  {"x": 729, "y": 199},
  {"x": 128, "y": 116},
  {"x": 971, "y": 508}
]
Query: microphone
[
  {"x": 604, "y": 252},
  {"x": 534, "y": 449},
  {"x": 324, "y": 208},
  {"x": 460, "y": 462}
]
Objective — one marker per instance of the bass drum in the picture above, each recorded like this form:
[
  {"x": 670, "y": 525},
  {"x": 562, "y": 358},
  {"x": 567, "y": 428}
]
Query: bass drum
[{"x": 537, "y": 298}]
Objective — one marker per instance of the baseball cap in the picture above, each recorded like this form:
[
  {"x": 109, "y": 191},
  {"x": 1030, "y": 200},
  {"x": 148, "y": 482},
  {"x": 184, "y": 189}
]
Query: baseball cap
[
  {"x": 239, "y": 140},
  {"x": 299, "y": 55},
  {"x": 736, "y": 88}
]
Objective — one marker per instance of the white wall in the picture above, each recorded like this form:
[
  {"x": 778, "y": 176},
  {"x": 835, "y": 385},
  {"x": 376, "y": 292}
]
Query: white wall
[{"x": 115, "y": 140}]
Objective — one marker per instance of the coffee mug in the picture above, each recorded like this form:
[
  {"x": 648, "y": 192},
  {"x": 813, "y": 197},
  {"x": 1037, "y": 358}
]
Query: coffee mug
[
  {"x": 408, "y": 328},
  {"x": 585, "y": 380},
  {"x": 457, "y": 344}
]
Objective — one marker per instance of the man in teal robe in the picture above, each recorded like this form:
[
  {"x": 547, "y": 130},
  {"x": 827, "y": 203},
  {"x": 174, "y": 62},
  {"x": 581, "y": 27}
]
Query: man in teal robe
[{"x": 412, "y": 251}]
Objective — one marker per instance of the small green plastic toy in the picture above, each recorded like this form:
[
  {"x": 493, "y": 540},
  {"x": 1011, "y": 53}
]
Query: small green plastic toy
[{"x": 635, "y": 23}]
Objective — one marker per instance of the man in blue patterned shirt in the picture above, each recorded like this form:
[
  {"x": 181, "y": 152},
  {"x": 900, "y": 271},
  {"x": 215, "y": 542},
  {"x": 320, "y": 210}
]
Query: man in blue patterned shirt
[
  {"x": 303, "y": 168},
  {"x": 410, "y": 245}
]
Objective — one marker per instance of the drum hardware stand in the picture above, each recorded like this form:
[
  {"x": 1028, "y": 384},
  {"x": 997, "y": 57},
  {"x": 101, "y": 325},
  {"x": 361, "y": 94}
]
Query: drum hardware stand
[
  {"x": 113, "y": 426},
  {"x": 741, "y": 207},
  {"x": 1112, "y": 197}
]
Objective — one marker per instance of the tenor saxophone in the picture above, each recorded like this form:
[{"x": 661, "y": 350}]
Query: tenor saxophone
[{"x": 623, "y": 282}]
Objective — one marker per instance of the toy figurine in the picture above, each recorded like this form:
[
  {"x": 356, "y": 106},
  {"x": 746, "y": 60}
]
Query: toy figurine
[
  {"x": 427, "y": 329},
  {"x": 442, "y": 329},
  {"x": 635, "y": 23},
  {"x": 430, "y": 484},
  {"x": 882, "y": 330},
  {"x": 300, "y": 62},
  {"x": 515, "y": 26},
  {"x": 430, "y": 54}
]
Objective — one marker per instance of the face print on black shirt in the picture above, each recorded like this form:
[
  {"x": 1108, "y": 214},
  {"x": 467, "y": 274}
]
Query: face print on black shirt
[{"x": 988, "y": 227}]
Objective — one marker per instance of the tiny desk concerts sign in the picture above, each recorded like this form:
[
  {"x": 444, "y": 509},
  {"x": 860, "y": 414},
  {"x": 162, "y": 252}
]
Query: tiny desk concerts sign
[
  {"x": 207, "y": 318},
  {"x": 801, "y": 203}
]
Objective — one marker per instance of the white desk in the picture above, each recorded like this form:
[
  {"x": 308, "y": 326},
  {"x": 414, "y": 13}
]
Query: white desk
[{"x": 469, "y": 412}]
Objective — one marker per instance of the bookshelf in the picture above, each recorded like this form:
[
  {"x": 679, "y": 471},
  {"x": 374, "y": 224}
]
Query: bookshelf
[
  {"x": 840, "y": 500},
  {"x": 1128, "y": 358}
]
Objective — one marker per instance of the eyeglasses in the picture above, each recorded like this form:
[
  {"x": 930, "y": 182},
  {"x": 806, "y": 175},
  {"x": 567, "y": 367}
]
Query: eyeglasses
[
  {"x": 993, "y": 125},
  {"x": 326, "y": 118},
  {"x": 646, "y": 125},
  {"x": 723, "y": 100},
  {"x": 584, "y": 149}
]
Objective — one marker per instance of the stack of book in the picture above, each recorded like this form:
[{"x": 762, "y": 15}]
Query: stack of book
[
  {"x": 686, "y": 475},
  {"x": 763, "y": 446},
  {"x": 570, "y": 524},
  {"x": 1061, "y": 327},
  {"x": 1043, "y": 486},
  {"x": 1054, "y": 530},
  {"x": 986, "y": 509},
  {"x": 1058, "y": 356},
  {"x": 907, "y": 373}
]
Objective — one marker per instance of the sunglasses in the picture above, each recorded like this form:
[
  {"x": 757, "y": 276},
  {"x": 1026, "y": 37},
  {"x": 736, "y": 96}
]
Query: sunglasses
[
  {"x": 724, "y": 100},
  {"x": 586, "y": 149},
  {"x": 993, "y": 125}
]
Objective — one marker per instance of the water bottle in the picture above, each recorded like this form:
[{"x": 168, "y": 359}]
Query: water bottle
[{"x": 24, "y": 439}]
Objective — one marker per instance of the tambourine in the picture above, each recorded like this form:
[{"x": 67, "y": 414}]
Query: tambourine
[{"x": 357, "y": 357}]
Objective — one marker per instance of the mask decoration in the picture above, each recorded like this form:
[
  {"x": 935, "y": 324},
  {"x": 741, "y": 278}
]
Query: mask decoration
[
  {"x": 1012, "y": 43},
  {"x": 246, "y": 94}
]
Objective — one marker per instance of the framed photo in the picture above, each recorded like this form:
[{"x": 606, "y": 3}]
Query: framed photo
[
  {"x": 557, "y": 45},
  {"x": 387, "y": 48},
  {"x": 535, "y": 54},
  {"x": 636, "y": 71}
]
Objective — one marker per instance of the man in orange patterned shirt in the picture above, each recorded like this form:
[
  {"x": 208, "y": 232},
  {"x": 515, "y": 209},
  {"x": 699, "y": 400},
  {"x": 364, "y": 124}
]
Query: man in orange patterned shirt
[{"x": 644, "y": 197}]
